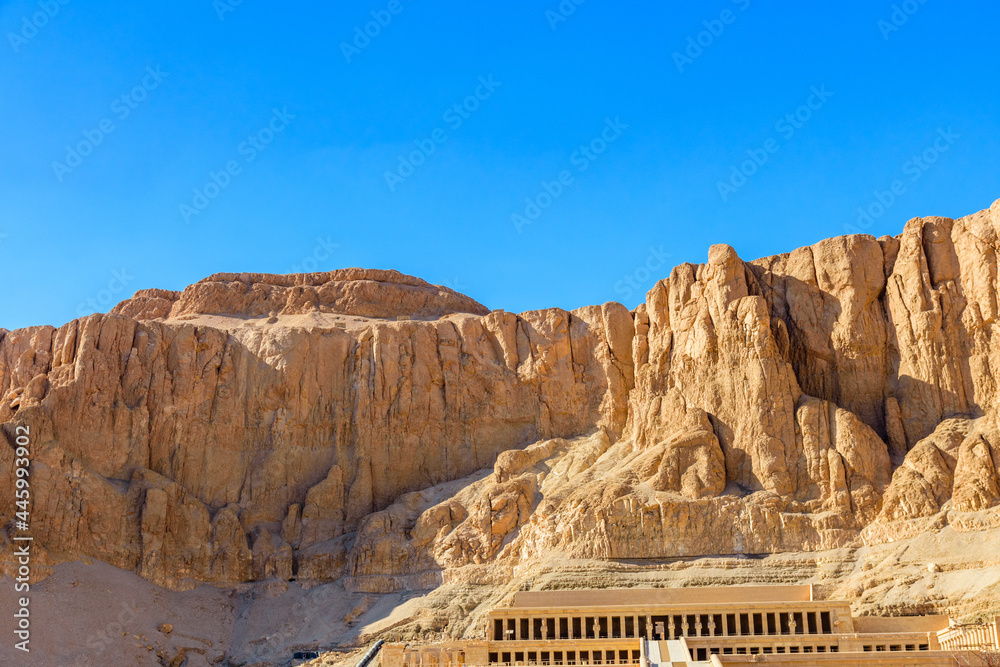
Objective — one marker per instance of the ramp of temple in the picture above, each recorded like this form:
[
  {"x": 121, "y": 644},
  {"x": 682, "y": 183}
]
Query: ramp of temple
[{"x": 779, "y": 625}]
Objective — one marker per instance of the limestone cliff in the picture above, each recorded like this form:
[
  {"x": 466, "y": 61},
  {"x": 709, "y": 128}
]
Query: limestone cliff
[{"x": 367, "y": 426}]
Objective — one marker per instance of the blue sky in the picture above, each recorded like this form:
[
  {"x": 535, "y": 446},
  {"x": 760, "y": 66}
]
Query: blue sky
[{"x": 150, "y": 146}]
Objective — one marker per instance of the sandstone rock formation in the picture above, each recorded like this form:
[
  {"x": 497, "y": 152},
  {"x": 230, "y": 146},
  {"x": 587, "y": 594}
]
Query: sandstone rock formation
[
  {"x": 368, "y": 427},
  {"x": 368, "y": 293}
]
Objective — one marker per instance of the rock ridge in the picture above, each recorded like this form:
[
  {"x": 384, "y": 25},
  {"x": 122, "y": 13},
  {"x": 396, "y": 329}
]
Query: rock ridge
[{"x": 361, "y": 292}]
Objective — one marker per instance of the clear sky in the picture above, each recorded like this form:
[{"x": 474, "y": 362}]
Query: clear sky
[{"x": 592, "y": 147}]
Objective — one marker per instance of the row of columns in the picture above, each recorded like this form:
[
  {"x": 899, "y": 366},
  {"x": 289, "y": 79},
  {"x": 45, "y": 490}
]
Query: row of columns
[
  {"x": 982, "y": 637},
  {"x": 543, "y": 634},
  {"x": 660, "y": 629},
  {"x": 591, "y": 656}
]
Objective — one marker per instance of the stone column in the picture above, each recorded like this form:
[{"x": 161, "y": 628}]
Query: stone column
[{"x": 649, "y": 628}]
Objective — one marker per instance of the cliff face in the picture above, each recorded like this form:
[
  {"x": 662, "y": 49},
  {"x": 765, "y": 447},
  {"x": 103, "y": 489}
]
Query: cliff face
[{"x": 366, "y": 425}]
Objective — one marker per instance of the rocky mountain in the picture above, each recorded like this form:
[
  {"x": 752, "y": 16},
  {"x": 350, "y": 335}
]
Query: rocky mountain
[{"x": 369, "y": 428}]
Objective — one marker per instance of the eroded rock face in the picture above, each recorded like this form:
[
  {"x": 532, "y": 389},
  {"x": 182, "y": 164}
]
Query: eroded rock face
[
  {"x": 836, "y": 395},
  {"x": 296, "y": 433}
]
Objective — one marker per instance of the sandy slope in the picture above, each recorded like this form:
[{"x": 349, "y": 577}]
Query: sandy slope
[{"x": 90, "y": 613}]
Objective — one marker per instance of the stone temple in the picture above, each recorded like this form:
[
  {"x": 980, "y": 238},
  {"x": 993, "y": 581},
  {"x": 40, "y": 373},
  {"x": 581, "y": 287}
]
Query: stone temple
[{"x": 735, "y": 625}]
